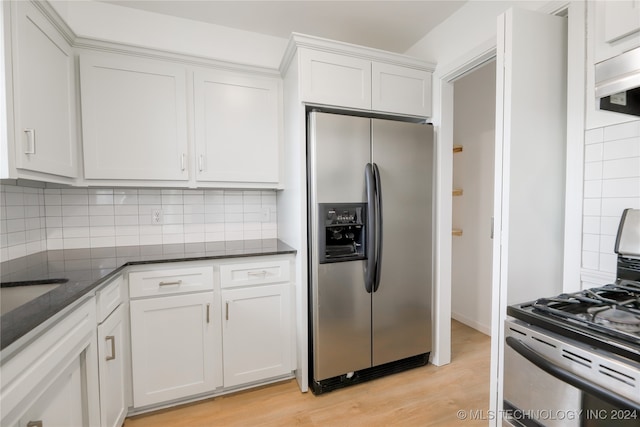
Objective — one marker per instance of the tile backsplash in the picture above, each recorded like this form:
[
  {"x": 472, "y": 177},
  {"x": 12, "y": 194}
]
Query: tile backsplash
[
  {"x": 35, "y": 219},
  {"x": 611, "y": 184}
]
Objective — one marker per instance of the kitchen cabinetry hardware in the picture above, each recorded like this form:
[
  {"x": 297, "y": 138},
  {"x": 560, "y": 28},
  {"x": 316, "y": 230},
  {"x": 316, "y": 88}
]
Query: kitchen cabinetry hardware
[
  {"x": 208, "y": 309},
  {"x": 35, "y": 423},
  {"x": 31, "y": 141},
  {"x": 456, "y": 232},
  {"x": 111, "y": 338},
  {"x": 457, "y": 148},
  {"x": 262, "y": 273},
  {"x": 182, "y": 165},
  {"x": 175, "y": 282},
  {"x": 226, "y": 316},
  {"x": 200, "y": 162},
  {"x": 457, "y": 192}
]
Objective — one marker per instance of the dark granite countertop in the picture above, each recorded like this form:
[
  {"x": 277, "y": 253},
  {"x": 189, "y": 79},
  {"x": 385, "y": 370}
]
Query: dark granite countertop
[{"x": 86, "y": 269}]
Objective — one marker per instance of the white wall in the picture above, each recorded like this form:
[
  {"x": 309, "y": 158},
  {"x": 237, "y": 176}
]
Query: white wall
[
  {"x": 108, "y": 22},
  {"x": 473, "y": 172}
]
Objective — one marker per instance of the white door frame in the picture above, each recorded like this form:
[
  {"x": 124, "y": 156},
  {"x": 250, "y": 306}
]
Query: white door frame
[{"x": 443, "y": 126}]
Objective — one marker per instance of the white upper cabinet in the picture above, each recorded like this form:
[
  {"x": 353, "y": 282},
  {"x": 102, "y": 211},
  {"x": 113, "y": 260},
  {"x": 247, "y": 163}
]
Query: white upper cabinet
[
  {"x": 334, "y": 79},
  {"x": 44, "y": 132},
  {"x": 617, "y": 27},
  {"x": 237, "y": 127},
  {"x": 134, "y": 118},
  {"x": 400, "y": 90},
  {"x": 355, "y": 77}
]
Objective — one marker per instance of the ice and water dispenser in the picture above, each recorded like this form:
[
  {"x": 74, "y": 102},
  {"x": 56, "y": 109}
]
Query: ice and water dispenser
[{"x": 341, "y": 234}]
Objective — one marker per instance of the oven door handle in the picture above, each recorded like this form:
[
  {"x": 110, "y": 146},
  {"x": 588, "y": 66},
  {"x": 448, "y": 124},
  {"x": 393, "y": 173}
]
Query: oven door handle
[{"x": 569, "y": 377}]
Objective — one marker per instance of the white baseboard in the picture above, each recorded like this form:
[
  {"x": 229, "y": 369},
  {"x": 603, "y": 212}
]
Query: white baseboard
[{"x": 472, "y": 323}]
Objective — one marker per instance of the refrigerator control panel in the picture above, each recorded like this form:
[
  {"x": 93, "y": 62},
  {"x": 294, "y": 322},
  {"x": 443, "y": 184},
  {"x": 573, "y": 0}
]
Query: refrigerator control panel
[{"x": 341, "y": 236}]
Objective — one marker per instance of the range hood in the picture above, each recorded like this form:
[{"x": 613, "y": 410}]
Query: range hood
[{"x": 618, "y": 83}]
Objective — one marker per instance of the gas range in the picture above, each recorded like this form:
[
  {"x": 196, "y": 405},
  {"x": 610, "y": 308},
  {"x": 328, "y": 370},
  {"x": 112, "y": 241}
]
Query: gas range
[{"x": 605, "y": 317}]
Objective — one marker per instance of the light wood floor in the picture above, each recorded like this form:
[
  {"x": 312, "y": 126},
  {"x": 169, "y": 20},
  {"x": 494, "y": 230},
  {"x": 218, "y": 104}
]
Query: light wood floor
[{"x": 425, "y": 396}]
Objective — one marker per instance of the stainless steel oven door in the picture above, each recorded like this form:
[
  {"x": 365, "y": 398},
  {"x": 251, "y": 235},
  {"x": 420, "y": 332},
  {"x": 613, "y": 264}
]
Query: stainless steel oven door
[{"x": 550, "y": 382}]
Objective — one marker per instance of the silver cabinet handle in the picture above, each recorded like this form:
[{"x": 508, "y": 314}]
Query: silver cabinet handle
[
  {"x": 227, "y": 311},
  {"x": 175, "y": 282},
  {"x": 31, "y": 141},
  {"x": 208, "y": 307},
  {"x": 262, "y": 273},
  {"x": 113, "y": 346},
  {"x": 35, "y": 423},
  {"x": 182, "y": 162},
  {"x": 201, "y": 162}
]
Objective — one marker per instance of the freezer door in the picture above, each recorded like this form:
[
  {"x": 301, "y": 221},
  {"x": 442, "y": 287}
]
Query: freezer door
[
  {"x": 338, "y": 150},
  {"x": 402, "y": 303}
]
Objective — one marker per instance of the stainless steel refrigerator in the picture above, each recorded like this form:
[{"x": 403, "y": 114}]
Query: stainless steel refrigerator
[{"x": 370, "y": 184}]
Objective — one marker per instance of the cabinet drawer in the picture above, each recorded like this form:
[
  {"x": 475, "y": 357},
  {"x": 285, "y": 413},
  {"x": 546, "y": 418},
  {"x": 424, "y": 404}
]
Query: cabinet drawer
[
  {"x": 110, "y": 297},
  {"x": 254, "y": 273},
  {"x": 168, "y": 282}
]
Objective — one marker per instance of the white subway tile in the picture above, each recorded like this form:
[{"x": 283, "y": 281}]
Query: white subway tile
[
  {"x": 621, "y": 168},
  {"x": 54, "y": 244},
  {"x": 172, "y": 209},
  {"x": 590, "y": 260},
  {"x": 72, "y": 232},
  {"x": 101, "y": 199},
  {"x": 132, "y": 240},
  {"x": 32, "y": 212},
  {"x": 194, "y": 219},
  {"x": 75, "y": 199},
  {"x": 102, "y": 231},
  {"x": 593, "y": 136},
  {"x": 150, "y": 199},
  {"x": 151, "y": 239},
  {"x": 75, "y": 210},
  {"x": 102, "y": 220},
  {"x": 150, "y": 230},
  {"x": 194, "y": 237},
  {"x": 171, "y": 199},
  {"x": 194, "y": 228},
  {"x": 53, "y": 210},
  {"x": 621, "y": 149},
  {"x": 173, "y": 229},
  {"x": 591, "y": 242},
  {"x": 14, "y": 199},
  {"x": 608, "y": 262},
  {"x": 101, "y": 210},
  {"x": 216, "y": 236},
  {"x": 77, "y": 243},
  {"x": 623, "y": 187},
  {"x": 125, "y": 209},
  {"x": 15, "y": 225},
  {"x": 102, "y": 242},
  {"x": 52, "y": 199},
  {"x": 16, "y": 238},
  {"x": 14, "y": 212},
  {"x": 593, "y": 171},
  {"x": 126, "y": 220},
  {"x": 172, "y": 219},
  {"x": 127, "y": 230},
  {"x": 621, "y": 131},
  {"x": 54, "y": 233},
  {"x": 592, "y": 189},
  {"x": 593, "y": 152},
  {"x": 16, "y": 251},
  {"x": 169, "y": 239},
  {"x": 75, "y": 221}
]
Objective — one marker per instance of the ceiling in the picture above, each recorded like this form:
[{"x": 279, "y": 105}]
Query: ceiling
[{"x": 389, "y": 25}]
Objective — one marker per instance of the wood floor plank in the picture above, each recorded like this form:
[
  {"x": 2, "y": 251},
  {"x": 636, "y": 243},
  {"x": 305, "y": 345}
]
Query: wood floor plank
[{"x": 425, "y": 396}]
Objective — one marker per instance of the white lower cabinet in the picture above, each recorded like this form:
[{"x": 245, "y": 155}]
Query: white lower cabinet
[
  {"x": 173, "y": 335},
  {"x": 256, "y": 333},
  {"x": 257, "y": 329},
  {"x": 61, "y": 404},
  {"x": 112, "y": 366},
  {"x": 53, "y": 381}
]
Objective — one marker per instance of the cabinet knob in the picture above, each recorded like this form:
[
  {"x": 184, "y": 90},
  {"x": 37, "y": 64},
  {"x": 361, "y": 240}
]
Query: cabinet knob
[{"x": 35, "y": 423}]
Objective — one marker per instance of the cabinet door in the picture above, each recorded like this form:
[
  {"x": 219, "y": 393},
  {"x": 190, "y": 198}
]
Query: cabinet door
[
  {"x": 43, "y": 85},
  {"x": 172, "y": 347},
  {"x": 237, "y": 127},
  {"x": 134, "y": 118},
  {"x": 61, "y": 404},
  {"x": 256, "y": 333},
  {"x": 332, "y": 79},
  {"x": 400, "y": 90},
  {"x": 112, "y": 365},
  {"x": 621, "y": 18}
]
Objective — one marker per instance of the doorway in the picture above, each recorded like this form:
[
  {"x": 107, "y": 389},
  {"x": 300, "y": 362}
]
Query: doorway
[{"x": 472, "y": 205}]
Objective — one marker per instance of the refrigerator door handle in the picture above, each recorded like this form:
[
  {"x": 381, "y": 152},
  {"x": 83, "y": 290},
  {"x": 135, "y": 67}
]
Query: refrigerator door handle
[
  {"x": 378, "y": 226},
  {"x": 370, "y": 265}
]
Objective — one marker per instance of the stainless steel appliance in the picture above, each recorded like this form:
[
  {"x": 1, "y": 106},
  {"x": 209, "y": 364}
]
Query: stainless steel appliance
[
  {"x": 574, "y": 359},
  {"x": 370, "y": 231},
  {"x": 618, "y": 83}
]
